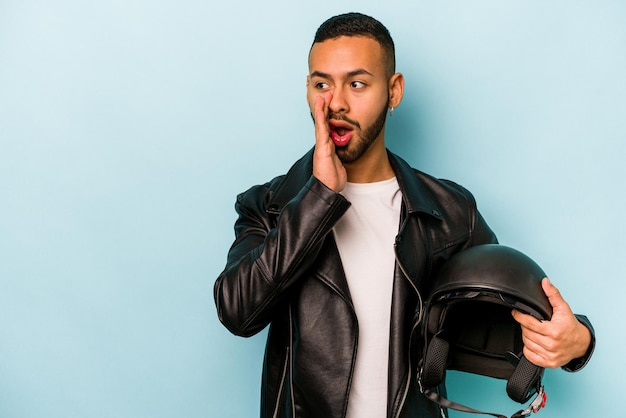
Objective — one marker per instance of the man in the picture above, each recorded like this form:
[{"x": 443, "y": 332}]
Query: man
[{"x": 337, "y": 255}]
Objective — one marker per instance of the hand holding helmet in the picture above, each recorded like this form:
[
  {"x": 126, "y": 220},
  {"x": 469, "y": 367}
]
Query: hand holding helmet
[
  {"x": 468, "y": 325},
  {"x": 556, "y": 342}
]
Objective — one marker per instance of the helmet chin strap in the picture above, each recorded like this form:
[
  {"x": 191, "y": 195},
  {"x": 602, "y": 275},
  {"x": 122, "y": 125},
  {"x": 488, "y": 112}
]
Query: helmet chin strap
[{"x": 534, "y": 407}]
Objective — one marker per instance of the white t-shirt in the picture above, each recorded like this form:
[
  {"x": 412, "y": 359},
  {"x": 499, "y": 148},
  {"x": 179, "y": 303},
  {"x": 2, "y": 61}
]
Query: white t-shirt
[{"x": 365, "y": 236}]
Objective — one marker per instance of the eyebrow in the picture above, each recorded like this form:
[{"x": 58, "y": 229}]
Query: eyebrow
[{"x": 352, "y": 73}]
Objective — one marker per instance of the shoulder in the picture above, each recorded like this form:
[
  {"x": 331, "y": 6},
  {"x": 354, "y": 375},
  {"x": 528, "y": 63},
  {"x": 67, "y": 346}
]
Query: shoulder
[
  {"x": 446, "y": 189},
  {"x": 259, "y": 195},
  {"x": 424, "y": 192},
  {"x": 452, "y": 205},
  {"x": 279, "y": 190}
]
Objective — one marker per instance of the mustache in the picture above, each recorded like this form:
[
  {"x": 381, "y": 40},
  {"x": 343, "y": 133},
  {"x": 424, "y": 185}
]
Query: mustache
[{"x": 344, "y": 118}]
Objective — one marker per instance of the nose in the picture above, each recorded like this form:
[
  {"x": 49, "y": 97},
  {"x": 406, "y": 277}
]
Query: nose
[{"x": 338, "y": 103}]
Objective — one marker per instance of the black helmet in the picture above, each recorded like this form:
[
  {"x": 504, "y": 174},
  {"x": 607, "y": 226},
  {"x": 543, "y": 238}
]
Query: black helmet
[{"x": 468, "y": 324}]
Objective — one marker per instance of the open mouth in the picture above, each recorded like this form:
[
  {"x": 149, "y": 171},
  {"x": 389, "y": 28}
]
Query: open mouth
[{"x": 340, "y": 133}]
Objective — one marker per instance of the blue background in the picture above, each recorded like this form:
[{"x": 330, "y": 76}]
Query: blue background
[{"x": 127, "y": 127}]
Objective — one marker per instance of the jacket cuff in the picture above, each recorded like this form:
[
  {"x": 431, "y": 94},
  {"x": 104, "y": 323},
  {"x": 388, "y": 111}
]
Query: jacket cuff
[
  {"x": 578, "y": 363},
  {"x": 325, "y": 193}
]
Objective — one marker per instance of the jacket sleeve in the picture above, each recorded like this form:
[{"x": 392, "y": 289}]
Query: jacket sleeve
[
  {"x": 266, "y": 259},
  {"x": 480, "y": 232}
]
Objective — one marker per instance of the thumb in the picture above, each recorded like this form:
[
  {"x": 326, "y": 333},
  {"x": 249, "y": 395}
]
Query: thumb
[{"x": 554, "y": 296}]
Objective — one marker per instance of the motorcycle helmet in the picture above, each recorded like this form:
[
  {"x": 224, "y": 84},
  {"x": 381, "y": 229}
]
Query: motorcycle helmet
[{"x": 468, "y": 324}]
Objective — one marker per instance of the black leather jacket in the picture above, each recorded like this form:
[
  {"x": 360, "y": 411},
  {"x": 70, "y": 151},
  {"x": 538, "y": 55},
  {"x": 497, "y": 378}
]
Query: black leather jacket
[{"x": 284, "y": 270}]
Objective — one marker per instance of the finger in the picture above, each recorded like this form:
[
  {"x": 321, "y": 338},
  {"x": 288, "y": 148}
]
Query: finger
[
  {"x": 541, "y": 355},
  {"x": 534, "y": 348},
  {"x": 531, "y": 326},
  {"x": 322, "y": 132},
  {"x": 526, "y": 321},
  {"x": 534, "y": 334},
  {"x": 554, "y": 296},
  {"x": 536, "y": 357},
  {"x": 549, "y": 289}
]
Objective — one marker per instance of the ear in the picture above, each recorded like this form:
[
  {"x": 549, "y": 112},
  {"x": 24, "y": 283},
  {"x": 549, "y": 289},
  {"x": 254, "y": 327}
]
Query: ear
[
  {"x": 308, "y": 92},
  {"x": 396, "y": 90}
]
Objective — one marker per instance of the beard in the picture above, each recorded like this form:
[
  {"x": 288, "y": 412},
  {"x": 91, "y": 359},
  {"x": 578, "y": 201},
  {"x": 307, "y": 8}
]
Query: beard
[{"x": 363, "y": 139}]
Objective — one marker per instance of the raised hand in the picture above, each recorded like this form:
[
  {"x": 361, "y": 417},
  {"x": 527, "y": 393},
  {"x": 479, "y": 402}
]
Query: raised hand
[{"x": 327, "y": 167}]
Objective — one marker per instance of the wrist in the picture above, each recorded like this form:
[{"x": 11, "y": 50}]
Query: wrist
[{"x": 584, "y": 341}]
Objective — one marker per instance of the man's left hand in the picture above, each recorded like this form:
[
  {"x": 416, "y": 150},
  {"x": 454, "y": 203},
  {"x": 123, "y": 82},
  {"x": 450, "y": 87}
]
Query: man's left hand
[{"x": 556, "y": 342}]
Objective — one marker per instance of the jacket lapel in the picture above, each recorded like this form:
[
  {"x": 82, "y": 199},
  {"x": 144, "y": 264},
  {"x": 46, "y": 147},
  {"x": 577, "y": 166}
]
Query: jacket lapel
[
  {"x": 411, "y": 242},
  {"x": 330, "y": 269},
  {"x": 412, "y": 264},
  {"x": 417, "y": 198}
]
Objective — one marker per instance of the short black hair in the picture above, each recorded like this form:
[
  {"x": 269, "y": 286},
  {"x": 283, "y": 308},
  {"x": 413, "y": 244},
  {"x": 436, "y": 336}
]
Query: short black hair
[{"x": 358, "y": 24}]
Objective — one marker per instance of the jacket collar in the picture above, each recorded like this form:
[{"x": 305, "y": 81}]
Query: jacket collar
[{"x": 417, "y": 198}]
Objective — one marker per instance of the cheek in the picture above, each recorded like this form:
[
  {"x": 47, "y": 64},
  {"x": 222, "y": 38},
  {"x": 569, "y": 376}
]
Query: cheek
[
  {"x": 382, "y": 102},
  {"x": 371, "y": 106}
]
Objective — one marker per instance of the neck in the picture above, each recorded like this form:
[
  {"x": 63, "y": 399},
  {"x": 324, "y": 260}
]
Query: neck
[{"x": 373, "y": 166}]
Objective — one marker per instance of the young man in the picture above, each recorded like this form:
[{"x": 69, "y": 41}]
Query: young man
[{"x": 337, "y": 254}]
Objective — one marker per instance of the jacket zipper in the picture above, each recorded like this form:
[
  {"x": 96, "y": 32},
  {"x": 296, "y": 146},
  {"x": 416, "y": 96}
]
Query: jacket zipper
[
  {"x": 291, "y": 395},
  {"x": 282, "y": 384},
  {"x": 286, "y": 365},
  {"x": 419, "y": 320}
]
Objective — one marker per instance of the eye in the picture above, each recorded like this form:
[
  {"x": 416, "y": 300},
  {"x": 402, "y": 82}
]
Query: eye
[
  {"x": 357, "y": 84},
  {"x": 320, "y": 85}
]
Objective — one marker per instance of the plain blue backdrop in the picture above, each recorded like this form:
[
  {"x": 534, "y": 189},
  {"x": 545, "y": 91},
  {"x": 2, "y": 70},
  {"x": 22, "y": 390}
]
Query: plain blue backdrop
[{"x": 127, "y": 127}]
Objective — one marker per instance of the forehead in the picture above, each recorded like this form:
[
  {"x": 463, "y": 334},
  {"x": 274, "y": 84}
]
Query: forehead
[{"x": 345, "y": 54}]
